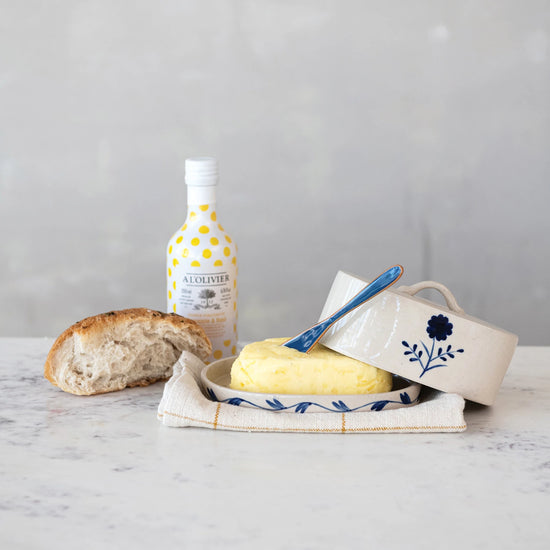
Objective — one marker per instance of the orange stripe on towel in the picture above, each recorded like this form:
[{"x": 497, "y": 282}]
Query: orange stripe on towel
[
  {"x": 216, "y": 417},
  {"x": 379, "y": 429}
]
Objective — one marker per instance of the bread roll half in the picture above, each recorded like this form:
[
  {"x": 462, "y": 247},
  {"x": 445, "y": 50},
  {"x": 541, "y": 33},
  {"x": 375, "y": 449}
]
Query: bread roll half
[{"x": 119, "y": 349}]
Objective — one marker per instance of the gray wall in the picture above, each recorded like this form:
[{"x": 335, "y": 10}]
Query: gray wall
[{"x": 351, "y": 135}]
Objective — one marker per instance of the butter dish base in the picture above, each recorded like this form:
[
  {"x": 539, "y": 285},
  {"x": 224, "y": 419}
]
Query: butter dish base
[{"x": 216, "y": 378}]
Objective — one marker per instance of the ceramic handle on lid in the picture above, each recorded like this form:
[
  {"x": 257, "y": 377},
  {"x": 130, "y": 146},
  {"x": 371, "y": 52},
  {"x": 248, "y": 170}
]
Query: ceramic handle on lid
[{"x": 452, "y": 304}]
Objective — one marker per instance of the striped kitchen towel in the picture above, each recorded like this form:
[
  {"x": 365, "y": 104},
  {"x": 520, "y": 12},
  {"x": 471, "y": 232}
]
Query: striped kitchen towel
[{"x": 184, "y": 404}]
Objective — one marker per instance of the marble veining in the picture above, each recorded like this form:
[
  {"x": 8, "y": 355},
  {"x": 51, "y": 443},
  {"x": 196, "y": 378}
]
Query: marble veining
[{"x": 102, "y": 472}]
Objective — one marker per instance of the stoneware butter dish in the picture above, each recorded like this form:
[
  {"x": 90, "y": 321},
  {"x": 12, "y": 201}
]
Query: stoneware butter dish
[
  {"x": 216, "y": 377},
  {"x": 437, "y": 346}
]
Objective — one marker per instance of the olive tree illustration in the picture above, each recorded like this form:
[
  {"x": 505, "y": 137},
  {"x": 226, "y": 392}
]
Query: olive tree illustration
[{"x": 207, "y": 294}]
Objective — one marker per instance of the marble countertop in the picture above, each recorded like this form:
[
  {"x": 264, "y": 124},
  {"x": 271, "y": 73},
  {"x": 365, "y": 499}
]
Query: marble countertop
[{"x": 102, "y": 472}]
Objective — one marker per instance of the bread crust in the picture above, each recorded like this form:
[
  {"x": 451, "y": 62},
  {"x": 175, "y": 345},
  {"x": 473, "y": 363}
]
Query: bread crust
[{"x": 101, "y": 323}]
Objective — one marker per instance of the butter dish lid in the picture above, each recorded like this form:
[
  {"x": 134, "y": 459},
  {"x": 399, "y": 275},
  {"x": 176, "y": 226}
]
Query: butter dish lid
[{"x": 438, "y": 346}]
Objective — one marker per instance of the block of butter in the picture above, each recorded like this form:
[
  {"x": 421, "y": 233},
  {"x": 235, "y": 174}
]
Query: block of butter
[{"x": 269, "y": 367}]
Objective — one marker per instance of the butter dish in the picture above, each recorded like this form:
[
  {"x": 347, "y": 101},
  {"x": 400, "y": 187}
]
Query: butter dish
[
  {"x": 216, "y": 377},
  {"x": 434, "y": 345}
]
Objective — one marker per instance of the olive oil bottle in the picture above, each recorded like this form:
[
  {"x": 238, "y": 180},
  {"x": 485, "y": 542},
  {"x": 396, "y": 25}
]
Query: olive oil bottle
[{"x": 202, "y": 262}]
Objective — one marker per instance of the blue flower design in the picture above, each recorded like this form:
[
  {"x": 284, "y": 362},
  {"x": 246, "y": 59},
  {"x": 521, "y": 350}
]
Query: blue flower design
[{"x": 439, "y": 327}]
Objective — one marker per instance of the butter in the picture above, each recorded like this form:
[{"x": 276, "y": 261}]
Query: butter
[{"x": 269, "y": 367}]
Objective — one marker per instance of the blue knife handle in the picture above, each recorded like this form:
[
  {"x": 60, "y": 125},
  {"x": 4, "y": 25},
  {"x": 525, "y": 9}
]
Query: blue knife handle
[
  {"x": 306, "y": 340},
  {"x": 378, "y": 285}
]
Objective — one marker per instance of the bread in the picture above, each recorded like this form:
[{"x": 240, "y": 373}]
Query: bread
[{"x": 119, "y": 349}]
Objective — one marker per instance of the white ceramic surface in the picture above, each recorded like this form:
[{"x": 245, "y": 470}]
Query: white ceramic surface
[
  {"x": 438, "y": 346},
  {"x": 216, "y": 378}
]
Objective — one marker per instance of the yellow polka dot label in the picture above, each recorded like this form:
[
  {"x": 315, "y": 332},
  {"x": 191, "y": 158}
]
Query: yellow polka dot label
[{"x": 202, "y": 277}]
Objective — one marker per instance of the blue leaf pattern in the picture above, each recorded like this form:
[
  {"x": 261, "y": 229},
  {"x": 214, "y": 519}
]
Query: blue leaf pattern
[
  {"x": 235, "y": 401},
  {"x": 303, "y": 406},
  {"x": 405, "y": 398},
  {"x": 341, "y": 406},
  {"x": 211, "y": 394},
  {"x": 275, "y": 404}
]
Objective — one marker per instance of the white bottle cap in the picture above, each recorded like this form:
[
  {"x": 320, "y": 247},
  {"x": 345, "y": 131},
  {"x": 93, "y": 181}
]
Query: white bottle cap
[{"x": 201, "y": 171}]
